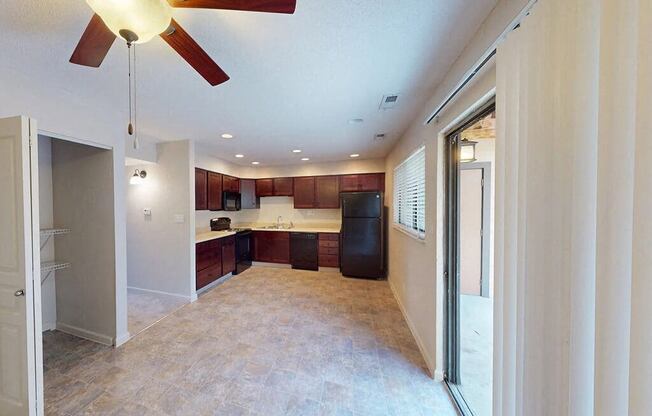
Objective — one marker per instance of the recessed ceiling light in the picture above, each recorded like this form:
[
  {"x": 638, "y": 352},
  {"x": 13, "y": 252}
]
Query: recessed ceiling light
[
  {"x": 227, "y": 136},
  {"x": 305, "y": 159},
  {"x": 355, "y": 155},
  {"x": 356, "y": 121},
  {"x": 239, "y": 156},
  {"x": 296, "y": 151},
  {"x": 255, "y": 163}
]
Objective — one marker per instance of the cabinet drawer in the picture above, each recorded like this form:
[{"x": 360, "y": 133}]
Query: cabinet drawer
[
  {"x": 329, "y": 237},
  {"x": 332, "y": 244},
  {"x": 209, "y": 275},
  {"x": 329, "y": 250},
  {"x": 326, "y": 260}
]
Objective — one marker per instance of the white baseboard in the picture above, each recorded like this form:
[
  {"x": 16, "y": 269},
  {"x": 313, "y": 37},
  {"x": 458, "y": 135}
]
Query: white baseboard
[
  {"x": 429, "y": 362},
  {"x": 48, "y": 326},
  {"x": 84, "y": 333},
  {"x": 121, "y": 339},
  {"x": 158, "y": 292}
]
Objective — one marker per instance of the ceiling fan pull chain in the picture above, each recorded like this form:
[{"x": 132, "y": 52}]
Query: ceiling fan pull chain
[
  {"x": 130, "y": 127},
  {"x": 136, "y": 143}
]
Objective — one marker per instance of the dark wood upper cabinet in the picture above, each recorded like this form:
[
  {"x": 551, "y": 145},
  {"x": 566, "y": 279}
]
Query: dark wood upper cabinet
[
  {"x": 327, "y": 189},
  {"x": 214, "y": 191},
  {"x": 264, "y": 187},
  {"x": 283, "y": 186},
  {"x": 304, "y": 192},
  {"x": 228, "y": 255},
  {"x": 230, "y": 184},
  {"x": 201, "y": 189},
  {"x": 362, "y": 182}
]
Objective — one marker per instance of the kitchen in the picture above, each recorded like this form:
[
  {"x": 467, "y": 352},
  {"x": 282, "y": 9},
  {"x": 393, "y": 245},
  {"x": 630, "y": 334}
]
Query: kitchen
[{"x": 234, "y": 231}]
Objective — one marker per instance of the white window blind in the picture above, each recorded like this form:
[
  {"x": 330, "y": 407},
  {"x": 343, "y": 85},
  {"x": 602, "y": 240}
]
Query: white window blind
[{"x": 410, "y": 194}]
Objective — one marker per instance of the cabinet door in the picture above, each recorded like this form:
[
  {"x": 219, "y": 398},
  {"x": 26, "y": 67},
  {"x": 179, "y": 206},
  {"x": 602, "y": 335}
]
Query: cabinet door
[
  {"x": 228, "y": 255},
  {"x": 372, "y": 182},
  {"x": 280, "y": 247},
  {"x": 283, "y": 187},
  {"x": 349, "y": 183},
  {"x": 264, "y": 187},
  {"x": 214, "y": 191},
  {"x": 328, "y": 191},
  {"x": 230, "y": 184},
  {"x": 201, "y": 190},
  {"x": 304, "y": 192}
]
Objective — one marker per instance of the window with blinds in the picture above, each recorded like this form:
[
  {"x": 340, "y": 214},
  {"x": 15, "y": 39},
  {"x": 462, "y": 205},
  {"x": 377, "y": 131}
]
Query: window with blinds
[{"x": 410, "y": 194}]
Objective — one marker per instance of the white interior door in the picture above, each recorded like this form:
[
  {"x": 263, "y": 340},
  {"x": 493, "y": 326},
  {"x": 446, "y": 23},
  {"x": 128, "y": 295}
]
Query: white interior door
[
  {"x": 18, "y": 228},
  {"x": 471, "y": 231}
]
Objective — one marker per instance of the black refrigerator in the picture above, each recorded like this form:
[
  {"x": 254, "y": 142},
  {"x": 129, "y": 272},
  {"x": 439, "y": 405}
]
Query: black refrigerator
[{"x": 362, "y": 238}]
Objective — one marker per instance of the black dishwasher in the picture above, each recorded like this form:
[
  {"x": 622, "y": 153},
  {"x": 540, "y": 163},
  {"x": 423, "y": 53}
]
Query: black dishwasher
[{"x": 304, "y": 251}]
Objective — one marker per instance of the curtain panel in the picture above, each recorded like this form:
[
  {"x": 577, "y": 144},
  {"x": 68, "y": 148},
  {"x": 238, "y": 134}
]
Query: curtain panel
[{"x": 573, "y": 257}]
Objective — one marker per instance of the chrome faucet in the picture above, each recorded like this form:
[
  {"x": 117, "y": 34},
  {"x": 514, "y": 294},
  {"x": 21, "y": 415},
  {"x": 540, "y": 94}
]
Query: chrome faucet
[{"x": 279, "y": 221}]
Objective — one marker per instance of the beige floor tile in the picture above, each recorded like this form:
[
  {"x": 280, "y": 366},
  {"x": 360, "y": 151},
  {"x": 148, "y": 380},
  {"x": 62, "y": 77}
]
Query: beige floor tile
[{"x": 267, "y": 342}]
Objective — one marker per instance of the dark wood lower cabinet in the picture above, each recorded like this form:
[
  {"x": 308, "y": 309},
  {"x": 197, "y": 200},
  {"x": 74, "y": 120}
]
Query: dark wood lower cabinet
[
  {"x": 272, "y": 246},
  {"x": 329, "y": 250},
  {"x": 214, "y": 259},
  {"x": 228, "y": 255}
]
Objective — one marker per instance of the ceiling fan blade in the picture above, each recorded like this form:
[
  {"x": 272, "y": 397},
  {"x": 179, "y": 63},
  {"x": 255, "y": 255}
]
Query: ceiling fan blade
[
  {"x": 189, "y": 50},
  {"x": 269, "y": 6},
  {"x": 94, "y": 44}
]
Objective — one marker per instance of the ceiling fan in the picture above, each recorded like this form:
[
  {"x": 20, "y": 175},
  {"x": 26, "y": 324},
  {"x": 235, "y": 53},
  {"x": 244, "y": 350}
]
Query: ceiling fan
[{"x": 138, "y": 21}]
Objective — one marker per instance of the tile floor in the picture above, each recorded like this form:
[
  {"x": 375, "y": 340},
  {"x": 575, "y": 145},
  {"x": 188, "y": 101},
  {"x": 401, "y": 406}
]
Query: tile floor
[
  {"x": 267, "y": 342},
  {"x": 145, "y": 308}
]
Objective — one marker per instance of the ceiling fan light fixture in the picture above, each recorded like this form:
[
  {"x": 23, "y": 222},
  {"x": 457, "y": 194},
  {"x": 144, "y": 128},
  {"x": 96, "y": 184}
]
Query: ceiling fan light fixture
[{"x": 143, "y": 18}]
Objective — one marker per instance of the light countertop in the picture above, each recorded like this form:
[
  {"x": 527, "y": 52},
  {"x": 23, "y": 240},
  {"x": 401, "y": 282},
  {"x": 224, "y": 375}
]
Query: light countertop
[
  {"x": 202, "y": 236},
  {"x": 207, "y": 235}
]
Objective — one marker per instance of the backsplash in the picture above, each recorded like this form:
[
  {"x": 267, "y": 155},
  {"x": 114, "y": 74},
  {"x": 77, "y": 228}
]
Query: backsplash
[{"x": 270, "y": 209}]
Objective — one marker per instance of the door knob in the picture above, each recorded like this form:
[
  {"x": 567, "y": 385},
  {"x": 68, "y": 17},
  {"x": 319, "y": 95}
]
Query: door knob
[{"x": 20, "y": 292}]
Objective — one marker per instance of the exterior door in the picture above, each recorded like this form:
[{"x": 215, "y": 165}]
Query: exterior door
[
  {"x": 20, "y": 342},
  {"x": 471, "y": 231}
]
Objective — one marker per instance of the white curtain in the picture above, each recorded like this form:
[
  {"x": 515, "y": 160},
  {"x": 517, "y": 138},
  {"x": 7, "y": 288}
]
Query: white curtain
[{"x": 573, "y": 265}]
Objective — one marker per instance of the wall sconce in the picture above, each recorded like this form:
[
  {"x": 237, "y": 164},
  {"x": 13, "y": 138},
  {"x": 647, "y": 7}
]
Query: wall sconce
[
  {"x": 467, "y": 151},
  {"x": 137, "y": 177}
]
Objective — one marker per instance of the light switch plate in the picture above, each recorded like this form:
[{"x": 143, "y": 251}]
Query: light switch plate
[{"x": 179, "y": 218}]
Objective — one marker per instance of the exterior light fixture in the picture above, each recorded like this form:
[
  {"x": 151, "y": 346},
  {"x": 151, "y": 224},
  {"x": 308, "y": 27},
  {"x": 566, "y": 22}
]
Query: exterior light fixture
[
  {"x": 467, "y": 151},
  {"x": 137, "y": 177}
]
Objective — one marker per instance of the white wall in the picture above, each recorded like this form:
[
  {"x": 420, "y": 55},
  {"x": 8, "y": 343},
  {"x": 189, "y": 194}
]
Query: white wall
[
  {"x": 46, "y": 219},
  {"x": 159, "y": 256},
  {"x": 416, "y": 267},
  {"x": 83, "y": 200},
  {"x": 69, "y": 114}
]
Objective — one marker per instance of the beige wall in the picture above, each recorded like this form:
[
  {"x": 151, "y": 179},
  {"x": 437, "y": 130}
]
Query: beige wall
[
  {"x": 83, "y": 200},
  {"x": 416, "y": 267},
  {"x": 158, "y": 246}
]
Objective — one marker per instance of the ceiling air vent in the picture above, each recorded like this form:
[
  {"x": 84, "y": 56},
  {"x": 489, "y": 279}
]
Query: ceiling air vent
[
  {"x": 379, "y": 137},
  {"x": 389, "y": 101}
]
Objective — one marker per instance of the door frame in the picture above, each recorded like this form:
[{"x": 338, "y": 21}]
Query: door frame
[
  {"x": 451, "y": 249},
  {"x": 485, "y": 167}
]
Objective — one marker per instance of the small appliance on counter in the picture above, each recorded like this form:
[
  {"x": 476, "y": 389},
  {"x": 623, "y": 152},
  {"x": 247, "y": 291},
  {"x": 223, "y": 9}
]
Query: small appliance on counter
[
  {"x": 243, "y": 255},
  {"x": 363, "y": 235}
]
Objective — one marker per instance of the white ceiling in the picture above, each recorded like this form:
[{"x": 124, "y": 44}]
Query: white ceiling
[{"x": 296, "y": 80}]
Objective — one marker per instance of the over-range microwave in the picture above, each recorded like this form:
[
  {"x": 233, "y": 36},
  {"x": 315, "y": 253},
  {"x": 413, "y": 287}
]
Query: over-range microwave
[{"x": 231, "y": 201}]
